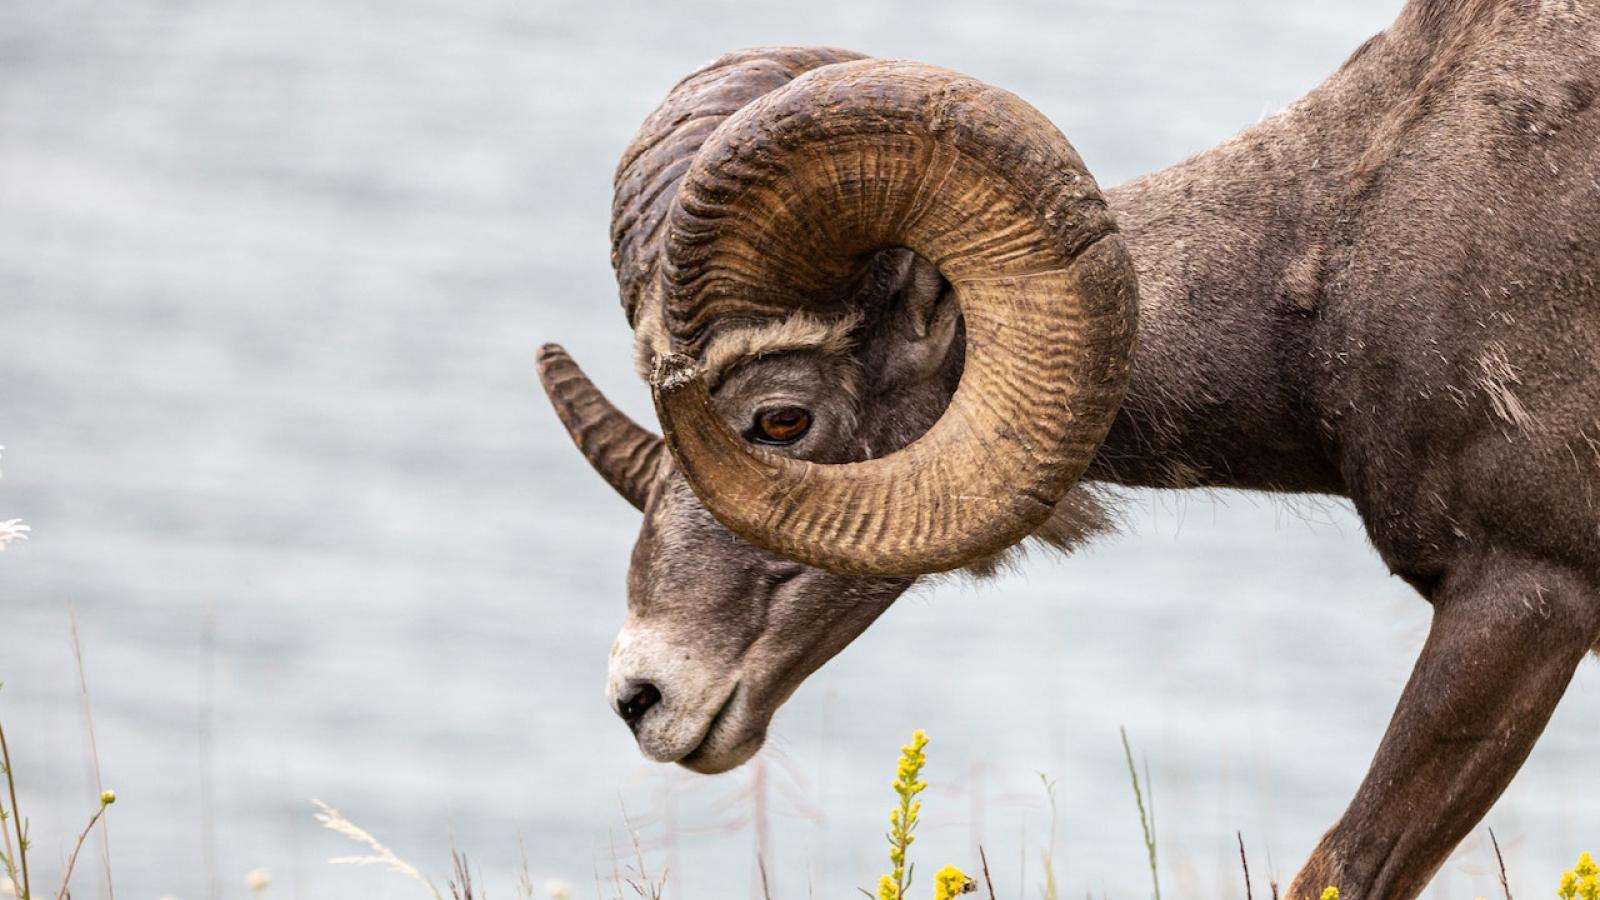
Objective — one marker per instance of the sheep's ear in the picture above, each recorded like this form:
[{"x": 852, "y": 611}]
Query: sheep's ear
[{"x": 921, "y": 326}]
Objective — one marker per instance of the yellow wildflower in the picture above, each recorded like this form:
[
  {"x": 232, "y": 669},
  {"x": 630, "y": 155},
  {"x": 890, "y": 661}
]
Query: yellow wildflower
[
  {"x": 903, "y": 818},
  {"x": 1581, "y": 882},
  {"x": 951, "y": 881},
  {"x": 1330, "y": 893}
]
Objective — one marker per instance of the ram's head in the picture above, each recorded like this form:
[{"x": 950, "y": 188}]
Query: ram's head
[{"x": 887, "y": 320}]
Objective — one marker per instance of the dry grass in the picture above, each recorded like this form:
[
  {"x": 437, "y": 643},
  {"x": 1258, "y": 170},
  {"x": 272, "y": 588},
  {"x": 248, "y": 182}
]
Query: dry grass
[
  {"x": 377, "y": 855},
  {"x": 14, "y": 858},
  {"x": 632, "y": 879}
]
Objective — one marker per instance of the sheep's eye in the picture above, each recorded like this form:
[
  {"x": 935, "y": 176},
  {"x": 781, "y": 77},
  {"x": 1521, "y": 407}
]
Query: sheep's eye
[{"x": 780, "y": 425}]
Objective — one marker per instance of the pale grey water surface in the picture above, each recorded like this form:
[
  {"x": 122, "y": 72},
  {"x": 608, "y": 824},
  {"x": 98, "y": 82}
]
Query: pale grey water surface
[{"x": 272, "y": 276}]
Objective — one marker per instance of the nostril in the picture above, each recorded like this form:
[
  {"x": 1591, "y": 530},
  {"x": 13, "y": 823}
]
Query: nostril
[{"x": 633, "y": 707}]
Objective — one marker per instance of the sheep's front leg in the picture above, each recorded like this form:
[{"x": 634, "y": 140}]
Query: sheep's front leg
[{"x": 1506, "y": 637}]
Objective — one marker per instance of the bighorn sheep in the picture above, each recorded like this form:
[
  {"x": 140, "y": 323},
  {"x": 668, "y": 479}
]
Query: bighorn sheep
[{"x": 890, "y": 322}]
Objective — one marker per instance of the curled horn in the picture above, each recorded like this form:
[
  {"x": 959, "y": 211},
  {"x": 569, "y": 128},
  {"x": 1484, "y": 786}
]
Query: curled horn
[
  {"x": 656, "y": 159},
  {"x": 626, "y": 455},
  {"x": 646, "y": 182},
  {"x": 776, "y": 212}
]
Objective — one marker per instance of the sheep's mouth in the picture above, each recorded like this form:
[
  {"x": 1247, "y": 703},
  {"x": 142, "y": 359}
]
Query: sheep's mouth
[{"x": 722, "y": 747}]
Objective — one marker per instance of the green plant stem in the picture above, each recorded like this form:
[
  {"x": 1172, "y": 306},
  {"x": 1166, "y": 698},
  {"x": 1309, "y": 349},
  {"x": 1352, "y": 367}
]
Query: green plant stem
[
  {"x": 1144, "y": 822},
  {"x": 16, "y": 820},
  {"x": 7, "y": 852},
  {"x": 1048, "y": 856},
  {"x": 902, "y": 842}
]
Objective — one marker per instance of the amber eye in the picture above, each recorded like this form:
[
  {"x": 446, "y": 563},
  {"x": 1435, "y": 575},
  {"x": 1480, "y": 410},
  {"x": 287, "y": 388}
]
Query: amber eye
[{"x": 780, "y": 425}]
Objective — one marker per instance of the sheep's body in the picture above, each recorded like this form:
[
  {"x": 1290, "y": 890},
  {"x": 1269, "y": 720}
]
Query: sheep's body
[{"x": 1387, "y": 292}]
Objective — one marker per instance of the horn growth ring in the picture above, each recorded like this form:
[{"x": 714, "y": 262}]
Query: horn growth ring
[{"x": 776, "y": 212}]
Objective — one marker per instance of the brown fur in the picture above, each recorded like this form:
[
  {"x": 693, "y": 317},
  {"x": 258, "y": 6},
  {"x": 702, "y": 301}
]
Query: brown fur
[{"x": 1387, "y": 292}]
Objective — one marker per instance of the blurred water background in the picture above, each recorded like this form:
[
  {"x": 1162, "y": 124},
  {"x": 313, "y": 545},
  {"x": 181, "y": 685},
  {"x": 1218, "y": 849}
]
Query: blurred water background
[{"x": 271, "y": 281}]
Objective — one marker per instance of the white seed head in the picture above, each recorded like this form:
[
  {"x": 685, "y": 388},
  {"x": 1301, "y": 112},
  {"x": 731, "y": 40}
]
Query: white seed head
[{"x": 12, "y": 530}]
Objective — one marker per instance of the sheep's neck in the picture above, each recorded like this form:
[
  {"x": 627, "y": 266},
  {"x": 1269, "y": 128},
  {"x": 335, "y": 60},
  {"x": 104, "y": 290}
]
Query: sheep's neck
[
  {"x": 1227, "y": 251},
  {"x": 1233, "y": 249}
]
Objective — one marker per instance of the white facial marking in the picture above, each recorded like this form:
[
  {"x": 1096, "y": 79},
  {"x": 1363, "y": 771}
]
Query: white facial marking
[{"x": 691, "y": 693}]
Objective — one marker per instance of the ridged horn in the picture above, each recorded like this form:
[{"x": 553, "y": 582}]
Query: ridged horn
[
  {"x": 627, "y": 456},
  {"x": 776, "y": 212},
  {"x": 655, "y": 160}
]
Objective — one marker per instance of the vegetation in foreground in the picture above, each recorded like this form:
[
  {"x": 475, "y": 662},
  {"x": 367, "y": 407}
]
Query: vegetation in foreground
[
  {"x": 1582, "y": 882},
  {"x": 14, "y": 853}
]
